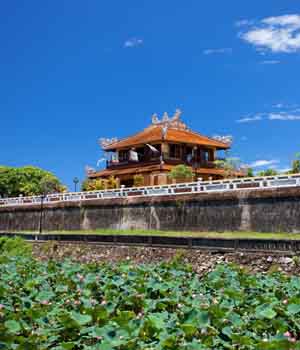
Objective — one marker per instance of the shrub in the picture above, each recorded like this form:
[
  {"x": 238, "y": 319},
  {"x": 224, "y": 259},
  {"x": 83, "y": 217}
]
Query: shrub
[
  {"x": 112, "y": 183},
  {"x": 138, "y": 180},
  {"x": 99, "y": 184},
  {"x": 181, "y": 172},
  {"x": 93, "y": 185},
  {"x": 14, "y": 247}
]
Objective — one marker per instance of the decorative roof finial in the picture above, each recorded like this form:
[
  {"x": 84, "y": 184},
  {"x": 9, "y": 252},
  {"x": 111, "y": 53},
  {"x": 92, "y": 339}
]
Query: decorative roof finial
[
  {"x": 104, "y": 142},
  {"x": 225, "y": 139},
  {"x": 89, "y": 170},
  {"x": 165, "y": 117},
  {"x": 155, "y": 119},
  {"x": 177, "y": 114}
]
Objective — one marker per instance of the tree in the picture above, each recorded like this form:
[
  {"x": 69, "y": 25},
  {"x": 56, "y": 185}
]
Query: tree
[
  {"x": 250, "y": 172},
  {"x": 296, "y": 164},
  {"x": 28, "y": 181},
  {"x": 229, "y": 165},
  {"x": 268, "y": 172},
  {"x": 181, "y": 172}
]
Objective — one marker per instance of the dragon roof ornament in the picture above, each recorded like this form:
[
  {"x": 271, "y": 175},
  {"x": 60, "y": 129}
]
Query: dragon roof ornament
[
  {"x": 105, "y": 142},
  {"x": 89, "y": 170},
  {"x": 225, "y": 139},
  {"x": 173, "y": 122}
]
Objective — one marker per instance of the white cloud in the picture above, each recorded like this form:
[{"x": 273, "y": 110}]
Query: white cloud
[
  {"x": 283, "y": 116},
  {"x": 262, "y": 162},
  {"x": 133, "y": 42},
  {"x": 283, "y": 113},
  {"x": 291, "y": 107},
  {"x": 250, "y": 119},
  {"x": 275, "y": 34},
  {"x": 270, "y": 62},
  {"x": 243, "y": 22},
  {"x": 225, "y": 50}
]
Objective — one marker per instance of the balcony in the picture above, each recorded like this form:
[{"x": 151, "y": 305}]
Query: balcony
[{"x": 143, "y": 161}]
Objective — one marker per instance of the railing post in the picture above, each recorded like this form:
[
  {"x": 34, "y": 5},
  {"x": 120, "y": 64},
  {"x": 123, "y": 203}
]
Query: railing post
[
  {"x": 122, "y": 190},
  {"x": 199, "y": 180}
]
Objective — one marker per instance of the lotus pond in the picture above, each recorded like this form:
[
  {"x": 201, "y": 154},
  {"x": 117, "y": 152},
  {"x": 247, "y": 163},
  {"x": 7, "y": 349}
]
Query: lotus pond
[{"x": 66, "y": 305}]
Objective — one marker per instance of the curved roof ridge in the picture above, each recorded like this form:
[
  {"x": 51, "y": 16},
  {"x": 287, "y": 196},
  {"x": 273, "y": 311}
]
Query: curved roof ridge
[
  {"x": 131, "y": 136},
  {"x": 155, "y": 133},
  {"x": 206, "y": 137}
]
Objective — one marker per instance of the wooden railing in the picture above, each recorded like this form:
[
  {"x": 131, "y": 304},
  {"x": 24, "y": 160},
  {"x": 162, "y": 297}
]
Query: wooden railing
[
  {"x": 110, "y": 164},
  {"x": 200, "y": 186}
]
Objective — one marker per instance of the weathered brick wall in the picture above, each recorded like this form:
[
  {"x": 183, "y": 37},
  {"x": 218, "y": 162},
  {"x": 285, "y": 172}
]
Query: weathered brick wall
[{"x": 270, "y": 210}]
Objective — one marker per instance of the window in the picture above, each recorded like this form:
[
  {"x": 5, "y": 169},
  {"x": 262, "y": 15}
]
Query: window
[
  {"x": 205, "y": 155},
  {"x": 141, "y": 153},
  {"x": 175, "y": 151},
  {"x": 123, "y": 155}
]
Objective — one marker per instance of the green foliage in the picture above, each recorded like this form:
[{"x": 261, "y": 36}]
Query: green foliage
[
  {"x": 111, "y": 183},
  {"x": 181, "y": 171},
  {"x": 138, "y": 180},
  {"x": 268, "y": 172},
  {"x": 27, "y": 181},
  {"x": 250, "y": 172},
  {"x": 13, "y": 247},
  {"x": 296, "y": 164},
  {"x": 229, "y": 165},
  {"x": 99, "y": 184},
  {"x": 51, "y": 305}
]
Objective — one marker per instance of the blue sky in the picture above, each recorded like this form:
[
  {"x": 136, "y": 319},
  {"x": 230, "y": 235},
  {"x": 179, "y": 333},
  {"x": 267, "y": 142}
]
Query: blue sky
[{"x": 75, "y": 71}]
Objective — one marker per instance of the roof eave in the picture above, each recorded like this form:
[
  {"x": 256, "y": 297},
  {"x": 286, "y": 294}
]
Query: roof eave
[{"x": 115, "y": 147}]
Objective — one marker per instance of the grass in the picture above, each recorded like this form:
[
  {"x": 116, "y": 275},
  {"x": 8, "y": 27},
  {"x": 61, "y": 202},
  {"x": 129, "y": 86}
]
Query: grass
[{"x": 228, "y": 235}]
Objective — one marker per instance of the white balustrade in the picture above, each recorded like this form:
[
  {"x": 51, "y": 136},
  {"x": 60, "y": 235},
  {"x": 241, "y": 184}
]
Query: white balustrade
[{"x": 200, "y": 186}]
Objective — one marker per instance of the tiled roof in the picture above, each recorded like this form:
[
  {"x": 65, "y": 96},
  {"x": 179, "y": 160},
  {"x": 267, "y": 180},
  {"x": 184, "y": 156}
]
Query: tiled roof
[
  {"x": 151, "y": 168},
  {"x": 154, "y": 134}
]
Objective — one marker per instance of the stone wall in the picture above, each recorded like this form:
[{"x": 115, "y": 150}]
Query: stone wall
[{"x": 269, "y": 210}]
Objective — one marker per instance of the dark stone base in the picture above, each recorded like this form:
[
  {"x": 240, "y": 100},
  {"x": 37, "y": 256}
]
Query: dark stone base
[{"x": 271, "y": 210}]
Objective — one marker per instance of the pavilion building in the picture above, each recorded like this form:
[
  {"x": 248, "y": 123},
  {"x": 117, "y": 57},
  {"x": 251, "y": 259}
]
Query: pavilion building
[{"x": 154, "y": 151}]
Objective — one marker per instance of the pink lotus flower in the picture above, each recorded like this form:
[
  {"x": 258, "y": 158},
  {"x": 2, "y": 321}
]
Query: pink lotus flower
[
  {"x": 287, "y": 334},
  {"x": 45, "y": 302},
  {"x": 1, "y": 306},
  {"x": 80, "y": 277},
  {"x": 285, "y": 301}
]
